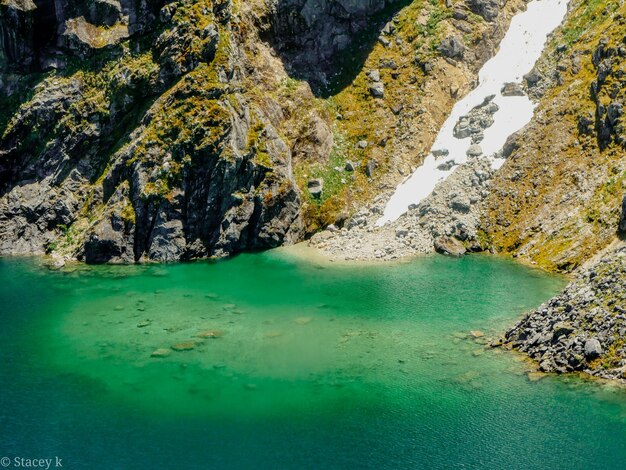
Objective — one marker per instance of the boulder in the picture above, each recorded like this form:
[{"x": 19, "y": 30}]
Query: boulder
[
  {"x": 622, "y": 220},
  {"x": 488, "y": 9},
  {"x": 474, "y": 150},
  {"x": 316, "y": 187},
  {"x": 562, "y": 329},
  {"x": 449, "y": 246},
  {"x": 374, "y": 75},
  {"x": 371, "y": 167},
  {"x": 452, "y": 47},
  {"x": 377, "y": 90},
  {"x": 512, "y": 89},
  {"x": 593, "y": 348}
]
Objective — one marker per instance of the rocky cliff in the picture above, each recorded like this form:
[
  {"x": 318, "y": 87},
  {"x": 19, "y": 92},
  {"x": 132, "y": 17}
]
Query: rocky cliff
[
  {"x": 140, "y": 143},
  {"x": 559, "y": 201},
  {"x": 151, "y": 130}
]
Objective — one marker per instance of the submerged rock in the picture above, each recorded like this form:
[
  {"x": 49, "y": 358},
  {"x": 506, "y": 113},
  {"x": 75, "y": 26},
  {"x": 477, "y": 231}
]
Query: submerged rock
[
  {"x": 185, "y": 346},
  {"x": 161, "y": 352},
  {"x": 212, "y": 334}
]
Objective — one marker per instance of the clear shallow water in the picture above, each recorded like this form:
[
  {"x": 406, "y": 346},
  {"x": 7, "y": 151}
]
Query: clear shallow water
[{"x": 318, "y": 366}]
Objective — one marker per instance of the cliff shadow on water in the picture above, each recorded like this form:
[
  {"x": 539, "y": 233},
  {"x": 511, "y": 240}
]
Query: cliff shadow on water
[{"x": 326, "y": 42}]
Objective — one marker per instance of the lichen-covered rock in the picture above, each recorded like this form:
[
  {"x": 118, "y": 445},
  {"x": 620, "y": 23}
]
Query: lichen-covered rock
[
  {"x": 157, "y": 155},
  {"x": 449, "y": 246},
  {"x": 622, "y": 220},
  {"x": 607, "y": 91},
  {"x": 452, "y": 47}
]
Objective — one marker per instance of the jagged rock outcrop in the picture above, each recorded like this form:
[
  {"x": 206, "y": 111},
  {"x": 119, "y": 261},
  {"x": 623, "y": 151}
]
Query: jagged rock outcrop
[
  {"x": 34, "y": 34},
  {"x": 158, "y": 155},
  {"x": 607, "y": 91},
  {"x": 582, "y": 329},
  {"x": 313, "y": 35}
]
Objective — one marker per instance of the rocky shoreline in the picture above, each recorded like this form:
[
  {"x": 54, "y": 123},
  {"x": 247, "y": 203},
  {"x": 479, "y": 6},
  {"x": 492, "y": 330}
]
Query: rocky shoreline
[
  {"x": 447, "y": 221},
  {"x": 583, "y": 329}
]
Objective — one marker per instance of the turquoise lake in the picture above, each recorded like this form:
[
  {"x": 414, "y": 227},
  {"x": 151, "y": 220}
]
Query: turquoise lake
[{"x": 270, "y": 361}]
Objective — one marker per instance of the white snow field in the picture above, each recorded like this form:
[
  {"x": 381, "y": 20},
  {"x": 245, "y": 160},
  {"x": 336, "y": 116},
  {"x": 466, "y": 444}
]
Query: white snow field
[{"x": 519, "y": 50}]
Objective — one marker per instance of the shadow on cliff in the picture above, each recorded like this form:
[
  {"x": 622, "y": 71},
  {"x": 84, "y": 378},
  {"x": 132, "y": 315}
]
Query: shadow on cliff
[{"x": 330, "y": 52}]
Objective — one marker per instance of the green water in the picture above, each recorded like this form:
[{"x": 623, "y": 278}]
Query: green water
[{"x": 315, "y": 366}]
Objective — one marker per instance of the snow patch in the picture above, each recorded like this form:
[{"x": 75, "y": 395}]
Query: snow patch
[{"x": 519, "y": 50}]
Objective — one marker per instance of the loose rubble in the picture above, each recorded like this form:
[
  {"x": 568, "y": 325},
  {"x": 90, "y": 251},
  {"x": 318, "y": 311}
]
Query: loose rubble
[{"x": 584, "y": 328}]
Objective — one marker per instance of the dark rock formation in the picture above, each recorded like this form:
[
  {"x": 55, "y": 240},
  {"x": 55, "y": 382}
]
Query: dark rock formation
[
  {"x": 316, "y": 36},
  {"x": 609, "y": 88},
  {"x": 17, "y": 34},
  {"x": 34, "y": 32},
  {"x": 145, "y": 159},
  {"x": 488, "y": 9},
  {"x": 583, "y": 328}
]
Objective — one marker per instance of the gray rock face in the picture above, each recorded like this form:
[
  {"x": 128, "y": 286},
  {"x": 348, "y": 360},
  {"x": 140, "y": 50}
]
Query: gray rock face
[
  {"x": 17, "y": 38},
  {"x": 609, "y": 87},
  {"x": 476, "y": 121},
  {"x": 488, "y": 9},
  {"x": 582, "y": 324},
  {"x": 72, "y": 188},
  {"x": 452, "y": 47},
  {"x": 622, "y": 220},
  {"x": 110, "y": 241},
  {"x": 313, "y": 34}
]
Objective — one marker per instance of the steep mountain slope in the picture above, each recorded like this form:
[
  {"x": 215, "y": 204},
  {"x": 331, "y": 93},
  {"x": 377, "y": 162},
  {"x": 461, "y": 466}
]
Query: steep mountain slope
[
  {"x": 152, "y": 130},
  {"x": 559, "y": 200}
]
